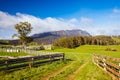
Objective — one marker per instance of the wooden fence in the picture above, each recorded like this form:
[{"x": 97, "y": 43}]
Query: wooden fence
[
  {"x": 30, "y": 61},
  {"x": 108, "y": 64},
  {"x": 28, "y": 51}
]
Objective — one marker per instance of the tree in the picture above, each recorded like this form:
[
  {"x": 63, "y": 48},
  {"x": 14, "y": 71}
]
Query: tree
[
  {"x": 77, "y": 40},
  {"x": 23, "y": 28},
  {"x": 64, "y": 42}
]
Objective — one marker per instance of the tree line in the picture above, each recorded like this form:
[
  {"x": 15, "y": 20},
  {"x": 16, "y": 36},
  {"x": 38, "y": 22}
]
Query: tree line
[{"x": 72, "y": 42}]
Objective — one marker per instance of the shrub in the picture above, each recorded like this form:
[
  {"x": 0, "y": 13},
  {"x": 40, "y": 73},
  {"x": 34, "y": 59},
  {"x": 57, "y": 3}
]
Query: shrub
[
  {"x": 110, "y": 49},
  {"x": 38, "y": 48},
  {"x": 113, "y": 49}
]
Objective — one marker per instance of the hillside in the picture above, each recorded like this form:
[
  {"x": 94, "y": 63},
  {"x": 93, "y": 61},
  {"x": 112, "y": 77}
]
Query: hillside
[{"x": 49, "y": 37}]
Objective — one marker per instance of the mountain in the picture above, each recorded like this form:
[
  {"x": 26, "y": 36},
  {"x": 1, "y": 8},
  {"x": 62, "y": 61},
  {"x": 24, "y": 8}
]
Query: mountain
[{"x": 49, "y": 37}]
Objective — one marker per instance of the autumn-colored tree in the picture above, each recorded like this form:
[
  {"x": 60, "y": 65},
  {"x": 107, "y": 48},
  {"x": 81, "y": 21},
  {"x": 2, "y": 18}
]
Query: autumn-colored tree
[{"x": 24, "y": 29}]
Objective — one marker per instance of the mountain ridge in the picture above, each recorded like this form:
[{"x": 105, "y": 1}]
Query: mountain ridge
[
  {"x": 49, "y": 37},
  {"x": 62, "y": 33}
]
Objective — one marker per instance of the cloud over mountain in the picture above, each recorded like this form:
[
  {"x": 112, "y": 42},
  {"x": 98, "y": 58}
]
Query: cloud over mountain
[{"x": 8, "y": 21}]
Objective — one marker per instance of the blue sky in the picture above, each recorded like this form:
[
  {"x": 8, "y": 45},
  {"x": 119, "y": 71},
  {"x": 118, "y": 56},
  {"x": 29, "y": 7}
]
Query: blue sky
[{"x": 98, "y": 17}]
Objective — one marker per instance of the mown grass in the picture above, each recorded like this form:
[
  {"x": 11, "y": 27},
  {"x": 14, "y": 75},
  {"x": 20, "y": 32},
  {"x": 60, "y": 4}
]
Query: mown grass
[
  {"x": 93, "y": 49},
  {"x": 78, "y": 56}
]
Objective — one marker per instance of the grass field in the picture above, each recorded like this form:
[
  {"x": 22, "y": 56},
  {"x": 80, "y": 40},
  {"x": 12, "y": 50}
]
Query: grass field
[
  {"x": 77, "y": 66},
  {"x": 13, "y": 54}
]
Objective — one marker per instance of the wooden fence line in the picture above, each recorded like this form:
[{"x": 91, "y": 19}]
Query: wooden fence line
[
  {"x": 28, "y": 51},
  {"x": 108, "y": 64},
  {"x": 10, "y": 50},
  {"x": 37, "y": 52},
  {"x": 30, "y": 61}
]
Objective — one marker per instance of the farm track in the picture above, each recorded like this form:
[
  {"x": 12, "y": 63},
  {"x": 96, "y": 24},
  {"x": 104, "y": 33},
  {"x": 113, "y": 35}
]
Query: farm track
[
  {"x": 71, "y": 76},
  {"x": 53, "y": 74}
]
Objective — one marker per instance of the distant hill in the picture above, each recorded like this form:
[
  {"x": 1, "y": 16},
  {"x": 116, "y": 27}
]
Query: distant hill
[
  {"x": 9, "y": 42},
  {"x": 49, "y": 37}
]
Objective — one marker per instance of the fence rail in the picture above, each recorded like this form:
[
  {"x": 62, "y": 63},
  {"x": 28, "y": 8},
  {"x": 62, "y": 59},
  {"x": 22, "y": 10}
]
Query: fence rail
[
  {"x": 27, "y": 51},
  {"x": 30, "y": 61},
  {"x": 108, "y": 64}
]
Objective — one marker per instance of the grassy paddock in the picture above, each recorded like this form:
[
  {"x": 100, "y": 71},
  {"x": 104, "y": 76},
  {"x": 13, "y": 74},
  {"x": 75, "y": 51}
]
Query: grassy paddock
[
  {"x": 91, "y": 49},
  {"x": 63, "y": 70},
  {"x": 13, "y": 54},
  {"x": 35, "y": 73}
]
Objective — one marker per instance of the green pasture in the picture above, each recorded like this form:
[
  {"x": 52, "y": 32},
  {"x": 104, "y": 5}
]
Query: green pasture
[
  {"x": 77, "y": 66},
  {"x": 13, "y": 54}
]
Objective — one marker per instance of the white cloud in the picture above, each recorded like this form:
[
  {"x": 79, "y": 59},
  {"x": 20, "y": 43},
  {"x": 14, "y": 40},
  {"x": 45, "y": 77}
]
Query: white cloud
[
  {"x": 86, "y": 20},
  {"x": 104, "y": 30},
  {"x": 116, "y": 10},
  {"x": 73, "y": 20},
  {"x": 7, "y": 22},
  {"x": 115, "y": 13}
]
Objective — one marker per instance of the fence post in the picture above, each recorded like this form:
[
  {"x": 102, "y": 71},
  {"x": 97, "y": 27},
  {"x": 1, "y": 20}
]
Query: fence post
[
  {"x": 119, "y": 71},
  {"x": 96, "y": 60},
  {"x": 51, "y": 58},
  {"x": 63, "y": 56},
  {"x": 32, "y": 61},
  {"x": 6, "y": 63},
  {"x": 104, "y": 63}
]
